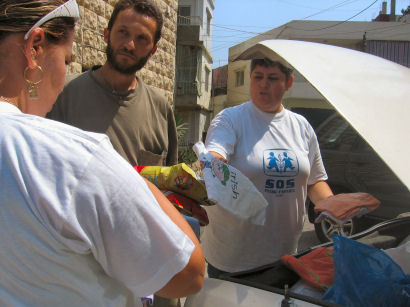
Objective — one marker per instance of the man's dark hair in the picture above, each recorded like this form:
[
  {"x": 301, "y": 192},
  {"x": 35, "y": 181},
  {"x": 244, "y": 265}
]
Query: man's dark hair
[
  {"x": 145, "y": 7},
  {"x": 268, "y": 63}
]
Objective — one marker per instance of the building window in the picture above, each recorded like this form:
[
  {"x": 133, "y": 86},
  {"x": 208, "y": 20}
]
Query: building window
[
  {"x": 207, "y": 74},
  {"x": 184, "y": 15},
  {"x": 239, "y": 78},
  {"x": 208, "y": 22},
  {"x": 187, "y": 61}
]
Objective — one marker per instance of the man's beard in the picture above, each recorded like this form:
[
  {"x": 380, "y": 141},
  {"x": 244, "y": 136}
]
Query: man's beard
[{"x": 125, "y": 69}]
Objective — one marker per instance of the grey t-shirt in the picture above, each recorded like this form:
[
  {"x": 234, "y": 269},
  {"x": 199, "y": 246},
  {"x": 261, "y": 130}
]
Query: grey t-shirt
[{"x": 140, "y": 123}]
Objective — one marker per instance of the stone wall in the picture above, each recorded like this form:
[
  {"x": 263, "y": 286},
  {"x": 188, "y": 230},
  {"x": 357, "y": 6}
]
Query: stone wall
[{"x": 89, "y": 46}]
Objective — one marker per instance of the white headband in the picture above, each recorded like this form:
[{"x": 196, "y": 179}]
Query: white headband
[{"x": 68, "y": 9}]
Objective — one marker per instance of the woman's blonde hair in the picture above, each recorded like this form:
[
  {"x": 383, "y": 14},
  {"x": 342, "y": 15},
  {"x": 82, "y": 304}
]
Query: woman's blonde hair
[{"x": 20, "y": 15}]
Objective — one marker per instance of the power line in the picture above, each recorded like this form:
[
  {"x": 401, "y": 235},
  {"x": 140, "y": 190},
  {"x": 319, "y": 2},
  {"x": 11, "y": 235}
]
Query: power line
[
  {"x": 330, "y": 8},
  {"x": 220, "y": 42},
  {"x": 343, "y": 3},
  {"x": 338, "y": 23},
  {"x": 341, "y": 22},
  {"x": 269, "y": 35},
  {"x": 243, "y": 31}
]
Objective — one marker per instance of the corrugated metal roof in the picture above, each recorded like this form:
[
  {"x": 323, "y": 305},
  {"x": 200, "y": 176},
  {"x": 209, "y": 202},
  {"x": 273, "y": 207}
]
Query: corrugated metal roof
[
  {"x": 220, "y": 77},
  {"x": 398, "y": 52}
]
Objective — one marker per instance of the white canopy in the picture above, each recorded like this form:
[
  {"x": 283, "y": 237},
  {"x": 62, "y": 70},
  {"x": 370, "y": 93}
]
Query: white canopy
[{"x": 372, "y": 93}]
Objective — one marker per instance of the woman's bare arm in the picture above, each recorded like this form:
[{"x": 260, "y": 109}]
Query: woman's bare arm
[
  {"x": 190, "y": 280},
  {"x": 319, "y": 190}
]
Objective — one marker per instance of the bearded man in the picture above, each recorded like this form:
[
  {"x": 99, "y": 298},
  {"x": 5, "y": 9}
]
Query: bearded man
[{"x": 111, "y": 99}]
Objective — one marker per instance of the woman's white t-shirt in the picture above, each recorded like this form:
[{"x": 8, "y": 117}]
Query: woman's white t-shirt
[
  {"x": 78, "y": 225},
  {"x": 280, "y": 154}
]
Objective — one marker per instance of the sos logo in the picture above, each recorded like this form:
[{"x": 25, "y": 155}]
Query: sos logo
[
  {"x": 280, "y": 184},
  {"x": 280, "y": 163}
]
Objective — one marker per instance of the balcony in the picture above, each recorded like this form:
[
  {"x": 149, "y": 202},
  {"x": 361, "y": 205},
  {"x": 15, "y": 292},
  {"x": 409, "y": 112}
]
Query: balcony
[
  {"x": 187, "y": 88},
  {"x": 189, "y": 34},
  {"x": 189, "y": 20}
]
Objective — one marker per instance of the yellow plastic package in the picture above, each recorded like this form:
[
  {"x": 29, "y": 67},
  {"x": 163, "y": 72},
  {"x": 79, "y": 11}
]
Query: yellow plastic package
[{"x": 179, "y": 178}]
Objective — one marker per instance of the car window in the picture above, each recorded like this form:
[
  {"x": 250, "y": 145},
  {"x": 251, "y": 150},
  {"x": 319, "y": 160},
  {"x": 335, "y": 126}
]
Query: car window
[
  {"x": 362, "y": 146},
  {"x": 330, "y": 136},
  {"x": 314, "y": 116}
]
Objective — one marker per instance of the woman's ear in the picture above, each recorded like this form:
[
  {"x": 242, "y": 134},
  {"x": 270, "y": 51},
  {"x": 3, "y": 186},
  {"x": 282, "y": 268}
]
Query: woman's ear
[
  {"x": 289, "y": 83},
  {"x": 34, "y": 47}
]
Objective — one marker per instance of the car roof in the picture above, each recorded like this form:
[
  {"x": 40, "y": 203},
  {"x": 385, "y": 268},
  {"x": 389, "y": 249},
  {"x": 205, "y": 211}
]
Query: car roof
[{"x": 371, "y": 93}]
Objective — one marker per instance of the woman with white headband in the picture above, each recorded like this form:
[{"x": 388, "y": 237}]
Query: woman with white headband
[{"x": 78, "y": 225}]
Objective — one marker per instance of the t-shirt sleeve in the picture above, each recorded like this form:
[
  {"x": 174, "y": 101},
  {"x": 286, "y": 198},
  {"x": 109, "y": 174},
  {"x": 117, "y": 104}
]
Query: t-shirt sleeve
[
  {"x": 127, "y": 232},
  {"x": 221, "y": 136},
  {"x": 317, "y": 168}
]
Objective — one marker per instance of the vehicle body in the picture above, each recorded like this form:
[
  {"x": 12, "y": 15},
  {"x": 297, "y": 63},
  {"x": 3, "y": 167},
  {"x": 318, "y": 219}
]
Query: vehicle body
[
  {"x": 266, "y": 286},
  {"x": 353, "y": 166},
  {"x": 370, "y": 94}
]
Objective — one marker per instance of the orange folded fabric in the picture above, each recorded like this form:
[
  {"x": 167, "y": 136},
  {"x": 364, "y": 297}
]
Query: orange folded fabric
[
  {"x": 315, "y": 268},
  {"x": 342, "y": 206}
]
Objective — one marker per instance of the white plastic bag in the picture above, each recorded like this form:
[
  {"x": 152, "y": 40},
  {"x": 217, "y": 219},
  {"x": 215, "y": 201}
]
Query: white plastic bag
[
  {"x": 231, "y": 189},
  {"x": 401, "y": 255}
]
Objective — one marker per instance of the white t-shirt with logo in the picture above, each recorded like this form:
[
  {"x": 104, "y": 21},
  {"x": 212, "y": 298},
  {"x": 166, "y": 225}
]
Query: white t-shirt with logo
[
  {"x": 78, "y": 225},
  {"x": 280, "y": 154}
]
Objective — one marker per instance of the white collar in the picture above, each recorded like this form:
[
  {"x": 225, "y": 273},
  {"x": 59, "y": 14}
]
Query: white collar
[{"x": 6, "y": 107}]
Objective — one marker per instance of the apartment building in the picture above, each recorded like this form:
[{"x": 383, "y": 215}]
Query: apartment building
[{"x": 193, "y": 66}]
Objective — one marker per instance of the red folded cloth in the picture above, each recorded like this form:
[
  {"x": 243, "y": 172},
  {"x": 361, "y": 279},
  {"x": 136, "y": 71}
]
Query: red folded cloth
[
  {"x": 316, "y": 267},
  {"x": 342, "y": 206}
]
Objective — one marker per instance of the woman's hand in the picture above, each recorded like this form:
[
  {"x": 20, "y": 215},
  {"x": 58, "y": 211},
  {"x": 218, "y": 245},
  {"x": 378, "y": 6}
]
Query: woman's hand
[{"x": 218, "y": 156}]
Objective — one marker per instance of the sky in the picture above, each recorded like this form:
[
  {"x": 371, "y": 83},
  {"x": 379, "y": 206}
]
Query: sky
[{"x": 236, "y": 21}]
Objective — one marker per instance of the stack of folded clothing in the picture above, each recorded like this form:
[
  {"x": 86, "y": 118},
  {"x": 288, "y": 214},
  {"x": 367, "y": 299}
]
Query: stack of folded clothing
[
  {"x": 183, "y": 188},
  {"x": 342, "y": 207},
  {"x": 315, "y": 268}
]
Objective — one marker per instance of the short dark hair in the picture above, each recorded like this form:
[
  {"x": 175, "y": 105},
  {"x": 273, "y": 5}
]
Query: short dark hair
[
  {"x": 265, "y": 62},
  {"x": 145, "y": 7}
]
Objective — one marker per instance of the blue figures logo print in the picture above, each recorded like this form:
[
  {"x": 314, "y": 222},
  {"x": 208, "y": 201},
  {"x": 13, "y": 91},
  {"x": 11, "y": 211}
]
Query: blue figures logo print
[{"x": 280, "y": 163}]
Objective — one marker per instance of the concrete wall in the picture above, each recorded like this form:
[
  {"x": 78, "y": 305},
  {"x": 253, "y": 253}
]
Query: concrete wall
[
  {"x": 198, "y": 122},
  {"x": 218, "y": 103},
  {"x": 89, "y": 46},
  {"x": 238, "y": 94},
  {"x": 208, "y": 7},
  {"x": 206, "y": 68}
]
